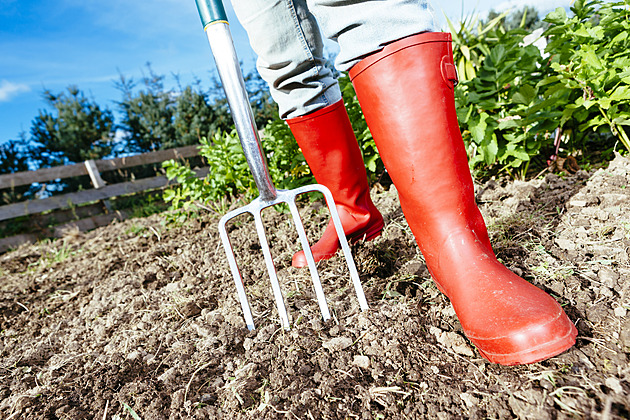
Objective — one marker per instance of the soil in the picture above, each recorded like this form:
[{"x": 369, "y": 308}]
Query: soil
[{"x": 140, "y": 319}]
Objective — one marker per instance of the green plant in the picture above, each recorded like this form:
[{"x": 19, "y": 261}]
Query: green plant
[
  {"x": 133, "y": 414},
  {"x": 513, "y": 100},
  {"x": 590, "y": 62},
  {"x": 229, "y": 174},
  {"x": 52, "y": 254},
  {"x": 498, "y": 77}
]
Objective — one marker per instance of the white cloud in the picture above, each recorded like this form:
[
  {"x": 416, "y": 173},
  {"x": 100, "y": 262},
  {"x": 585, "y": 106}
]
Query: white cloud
[{"x": 9, "y": 90}]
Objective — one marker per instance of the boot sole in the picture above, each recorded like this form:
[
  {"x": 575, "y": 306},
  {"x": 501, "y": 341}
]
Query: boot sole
[{"x": 536, "y": 354}]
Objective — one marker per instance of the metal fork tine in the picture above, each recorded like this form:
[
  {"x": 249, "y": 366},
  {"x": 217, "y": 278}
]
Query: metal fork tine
[
  {"x": 317, "y": 285},
  {"x": 236, "y": 274},
  {"x": 271, "y": 269},
  {"x": 354, "y": 275}
]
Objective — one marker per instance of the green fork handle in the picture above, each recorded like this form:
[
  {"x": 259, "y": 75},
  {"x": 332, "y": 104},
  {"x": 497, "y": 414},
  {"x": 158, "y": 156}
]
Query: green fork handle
[{"x": 211, "y": 11}]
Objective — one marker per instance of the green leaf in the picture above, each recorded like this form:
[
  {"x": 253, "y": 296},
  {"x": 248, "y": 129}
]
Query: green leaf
[
  {"x": 623, "y": 120},
  {"x": 525, "y": 95},
  {"x": 470, "y": 71},
  {"x": 557, "y": 17},
  {"x": 507, "y": 124},
  {"x": 567, "y": 114},
  {"x": 478, "y": 130},
  {"x": 604, "y": 103},
  {"x": 465, "y": 51},
  {"x": 620, "y": 37},
  {"x": 621, "y": 93},
  {"x": 588, "y": 55},
  {"x": 490, "y": 148}
]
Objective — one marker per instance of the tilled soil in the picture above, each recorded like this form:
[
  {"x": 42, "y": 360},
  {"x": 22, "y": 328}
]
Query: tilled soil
[{"x": 140, "y": 319}]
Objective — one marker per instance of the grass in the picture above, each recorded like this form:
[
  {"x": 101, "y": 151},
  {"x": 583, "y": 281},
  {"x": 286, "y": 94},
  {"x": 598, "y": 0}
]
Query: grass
[{"x": 51, "y": 254}]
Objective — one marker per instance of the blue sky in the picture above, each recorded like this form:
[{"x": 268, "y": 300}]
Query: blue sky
[{"x": 56, "y": 43}]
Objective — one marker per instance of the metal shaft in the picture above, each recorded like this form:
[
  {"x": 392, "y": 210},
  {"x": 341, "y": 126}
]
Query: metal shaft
[{"x": 226, "y": 60}]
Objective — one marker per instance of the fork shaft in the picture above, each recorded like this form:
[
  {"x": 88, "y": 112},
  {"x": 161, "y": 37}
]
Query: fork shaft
[
  {"x": 354, "y": 275},
  {"x": 236, "y": 274},
  {"x": 226, "y": 60}
]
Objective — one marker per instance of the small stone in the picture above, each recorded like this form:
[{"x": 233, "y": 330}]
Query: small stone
[
  {"x": 565, "y": 243},
  {"x": 361, "y": 361},
  {"x": 602, "y": 215},
  {"x": 337, "y": 343},
  {"x": 171, "y": 287},
  {"x": 190, "y": 309},
  {"x": 248, "y": 344},
  {"x": 614, "y": 384},
  {"x": 452, "y": 341},
  {"x": 607, "y": 276},
  {"x": 577, "y": 203},
  {"x": 620, "y": 311},
  {"x": 469, "y": 400},
  {"x": 169, "y": 375},
  {"x": 611, "y": 199},
  {"x": 207, "y": 398},
  {"x": 334, "y": 330}
]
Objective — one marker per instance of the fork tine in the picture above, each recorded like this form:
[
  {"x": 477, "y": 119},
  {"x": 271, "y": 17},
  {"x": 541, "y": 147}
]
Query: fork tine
[
  {"x": 236, "y": 274},
  {"x": 271, "y": 269},
  {"x": 317, "y": 285},
  {"x": 354, "y": 275}
]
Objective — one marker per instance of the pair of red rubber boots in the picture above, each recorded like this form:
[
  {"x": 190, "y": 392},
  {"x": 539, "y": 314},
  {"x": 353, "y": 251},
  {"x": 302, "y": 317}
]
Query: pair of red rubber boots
[{"x": 406, "y": 94}]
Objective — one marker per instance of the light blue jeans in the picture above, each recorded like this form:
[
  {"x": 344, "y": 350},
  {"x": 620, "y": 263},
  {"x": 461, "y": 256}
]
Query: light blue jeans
[{"x": 287, "y": 36}]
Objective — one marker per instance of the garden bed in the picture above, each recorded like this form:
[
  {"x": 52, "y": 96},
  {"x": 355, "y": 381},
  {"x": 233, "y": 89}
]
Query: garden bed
[{"x": 142, "y": 319}]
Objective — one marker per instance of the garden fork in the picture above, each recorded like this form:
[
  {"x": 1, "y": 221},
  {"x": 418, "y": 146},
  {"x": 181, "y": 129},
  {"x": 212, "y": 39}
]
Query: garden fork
[{"x": 216, "y": 26}]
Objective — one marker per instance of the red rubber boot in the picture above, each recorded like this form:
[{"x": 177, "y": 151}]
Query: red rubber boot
[
  {"x": 331, "y": 151},
  {"x": 406, "y": 93}
]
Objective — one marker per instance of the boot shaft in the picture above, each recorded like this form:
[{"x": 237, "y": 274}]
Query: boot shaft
[
  {"x": 406, "y": 94},
  {"x": 331, "y": 150}
]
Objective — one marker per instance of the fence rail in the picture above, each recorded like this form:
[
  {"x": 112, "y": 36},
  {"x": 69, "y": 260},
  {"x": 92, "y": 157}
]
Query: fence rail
[{"x": 101, "y": 191}]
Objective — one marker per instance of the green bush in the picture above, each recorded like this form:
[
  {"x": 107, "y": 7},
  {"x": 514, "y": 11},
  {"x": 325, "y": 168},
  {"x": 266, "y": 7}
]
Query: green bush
[
  {"x": 512, "y": 99},
  {"x": 229, "y": 176},
  {"x": 589, "y": 77}
]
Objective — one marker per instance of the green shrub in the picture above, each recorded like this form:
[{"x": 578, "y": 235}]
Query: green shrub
[
  {"x": 229, "y": 174},
  {"x": 589, "y": 77},
  {"x": 511, "y": 99}
]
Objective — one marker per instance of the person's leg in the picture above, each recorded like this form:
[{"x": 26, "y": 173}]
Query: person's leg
[
  {"x": 406, "y": 93},
  {"x": 361, "y": 27},
  {"x": 287, "y": 40},
  {"x": 289, "y": 45}
]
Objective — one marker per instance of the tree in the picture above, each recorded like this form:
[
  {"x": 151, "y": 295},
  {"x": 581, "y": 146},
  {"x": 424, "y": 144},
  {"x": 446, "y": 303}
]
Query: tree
[
  {"x": 77, "y": 130},
  {"x": 527, "y": 18},
  {"x": 14, "y": 157},
  {"x": 155, "y": 118},
  {"x": 148, "y": 115},
  {"x": 195, "y": 117}
]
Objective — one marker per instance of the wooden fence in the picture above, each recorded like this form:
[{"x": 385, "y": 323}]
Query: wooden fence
[{"x": 72, "y": 209}]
